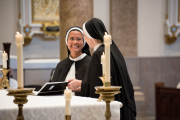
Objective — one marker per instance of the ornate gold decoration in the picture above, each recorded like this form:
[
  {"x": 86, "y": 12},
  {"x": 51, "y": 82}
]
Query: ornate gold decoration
[
  {"x": 20, "y": 96},
  {"x": 47, "y": 10},
  {"x": 67, "y": 117},
  {"x": 53, "y": 26},
  {"x": 171, "y": 39},
  {"x": 5, "y": 81},
  {"x": 107, "y": 95},
  {"x": 27, "y": 39}
]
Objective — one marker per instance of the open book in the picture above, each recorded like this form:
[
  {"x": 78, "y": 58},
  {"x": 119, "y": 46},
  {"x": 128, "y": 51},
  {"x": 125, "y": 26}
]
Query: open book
[{"x": 52, "y": 88}]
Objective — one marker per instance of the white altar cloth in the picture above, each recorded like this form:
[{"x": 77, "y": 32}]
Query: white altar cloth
[{"x": 53, "y": 108}]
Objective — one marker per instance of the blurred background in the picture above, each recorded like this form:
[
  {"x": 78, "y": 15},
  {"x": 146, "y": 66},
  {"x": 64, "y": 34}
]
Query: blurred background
[{"x": 146, "y": 32}]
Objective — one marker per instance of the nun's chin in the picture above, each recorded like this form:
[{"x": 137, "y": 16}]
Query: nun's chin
[{"x": 75, "y": 50}]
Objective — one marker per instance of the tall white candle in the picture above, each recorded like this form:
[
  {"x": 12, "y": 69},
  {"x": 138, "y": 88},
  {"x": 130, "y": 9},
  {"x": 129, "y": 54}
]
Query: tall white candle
[
  {"x": 107, "y": 42},
  {"x": 67, "y": 95},
  {"x": 4, "y": 58},
  {"x": 103, "y": 63},
  {"x": 19, "y": 42}
]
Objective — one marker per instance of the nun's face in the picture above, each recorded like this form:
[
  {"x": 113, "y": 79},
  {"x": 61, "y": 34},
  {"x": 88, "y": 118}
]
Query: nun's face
[
  {"x": 75, "y": 42},
  {"x": 89, "y": 41}
]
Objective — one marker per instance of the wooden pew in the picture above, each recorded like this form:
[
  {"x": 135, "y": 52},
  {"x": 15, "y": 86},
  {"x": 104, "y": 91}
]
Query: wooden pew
[{"x": 167, "y": 102}]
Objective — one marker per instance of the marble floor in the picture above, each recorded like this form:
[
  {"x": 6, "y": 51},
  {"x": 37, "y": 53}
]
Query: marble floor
[{"x": 146, "y": 118}]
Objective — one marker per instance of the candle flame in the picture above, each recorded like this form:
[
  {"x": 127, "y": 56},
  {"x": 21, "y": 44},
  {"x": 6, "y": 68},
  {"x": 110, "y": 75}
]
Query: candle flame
[
  {"x": 103, "y": 53},
  {"x": 66, "y": 88},
  {"x": 106, "y": 33},
  {"x": 17, "y": 32},
  {"x": 4, "y": 51}
]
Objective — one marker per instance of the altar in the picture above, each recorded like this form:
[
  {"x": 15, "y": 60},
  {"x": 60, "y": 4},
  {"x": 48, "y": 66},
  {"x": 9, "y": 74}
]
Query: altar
[{"x": 53, "y": 108}]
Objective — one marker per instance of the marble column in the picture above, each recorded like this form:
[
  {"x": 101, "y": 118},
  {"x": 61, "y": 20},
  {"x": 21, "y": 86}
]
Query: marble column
[
  {"x": 123, "y": 25},
  {"x": 72, "y": 13}
]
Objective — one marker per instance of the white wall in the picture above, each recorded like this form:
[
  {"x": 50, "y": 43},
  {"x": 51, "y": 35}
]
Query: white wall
[
  {"x": 101, "y": 10},
  {"x": 41, "y": 47},
  {"x": 151, "y": 40},
  {"x": 8, "y": 23}
]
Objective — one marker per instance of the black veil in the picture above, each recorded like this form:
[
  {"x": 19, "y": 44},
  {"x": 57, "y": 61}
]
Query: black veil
[{"x": 96, "y": 29}]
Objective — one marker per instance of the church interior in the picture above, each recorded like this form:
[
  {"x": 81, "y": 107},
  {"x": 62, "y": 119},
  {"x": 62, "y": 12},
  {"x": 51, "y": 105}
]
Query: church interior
[{"x": 145, "y": 31}]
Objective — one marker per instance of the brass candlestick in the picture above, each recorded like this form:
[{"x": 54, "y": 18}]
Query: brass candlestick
[
  {"x": 67, "y": 117},
  {"x": 5, "y": 81},
  {"x": 20, "y": 96},
  {"x": 107, "y": 95}
]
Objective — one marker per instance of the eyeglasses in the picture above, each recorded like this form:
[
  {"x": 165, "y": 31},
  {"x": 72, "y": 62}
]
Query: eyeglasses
[{"x": 77, "y": 39}]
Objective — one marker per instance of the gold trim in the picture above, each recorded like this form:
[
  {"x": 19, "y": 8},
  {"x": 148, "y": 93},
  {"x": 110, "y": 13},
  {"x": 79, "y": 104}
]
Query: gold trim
[
  {"x": 50, "y": 33},
  {"x": 4, "y": 82},
  {"x": 107, "y": 95},
  {"x": 27, "y": 38},
  {"x": 20, "y": 96},
  {"x": 32, "y": 14},
  {"x": 171, "y": 39}
]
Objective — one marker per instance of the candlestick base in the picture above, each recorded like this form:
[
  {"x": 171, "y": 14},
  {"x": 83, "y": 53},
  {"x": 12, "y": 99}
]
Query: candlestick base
[
  {"x": 107, "y": 95},
  {"x": 67, "y": 117},
  {"x": 5, "y": 81},
  {"x": 20, "y": 96}
]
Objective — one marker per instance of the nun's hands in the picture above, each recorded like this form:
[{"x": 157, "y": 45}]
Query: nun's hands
[{"x": 74, "y": 85}]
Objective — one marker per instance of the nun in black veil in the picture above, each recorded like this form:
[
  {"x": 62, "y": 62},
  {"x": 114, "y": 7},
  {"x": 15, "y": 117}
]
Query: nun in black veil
[
  {"x": 77, "y": 62},
  {"x": 94, "y": 31}
]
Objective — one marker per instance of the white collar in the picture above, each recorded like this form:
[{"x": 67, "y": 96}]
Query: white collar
[
  {"x": 96, "y": 47},
  {"x": 78, "y": 58}
]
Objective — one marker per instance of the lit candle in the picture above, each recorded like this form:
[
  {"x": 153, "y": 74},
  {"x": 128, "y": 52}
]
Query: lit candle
[
  {"x": 4, "y": 59},
  {"x": 19, "y": 42},
  {"x": 103, "y": 63},
  {"x": 107, "y": 42},
  {"x": 67, "y": 95}
]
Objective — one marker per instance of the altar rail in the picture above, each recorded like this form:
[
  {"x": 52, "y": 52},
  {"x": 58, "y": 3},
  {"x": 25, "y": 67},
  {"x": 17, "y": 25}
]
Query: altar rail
[{"x": 167, "y": 102}]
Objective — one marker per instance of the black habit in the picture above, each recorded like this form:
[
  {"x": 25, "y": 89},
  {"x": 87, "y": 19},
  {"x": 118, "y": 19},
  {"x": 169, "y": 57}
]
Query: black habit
[
  {"x": 119, "y": 73},
  {"x": 64, "y": 66}
]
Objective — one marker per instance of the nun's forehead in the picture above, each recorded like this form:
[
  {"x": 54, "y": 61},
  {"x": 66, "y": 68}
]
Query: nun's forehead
[{"x": 75, "y": 31}]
